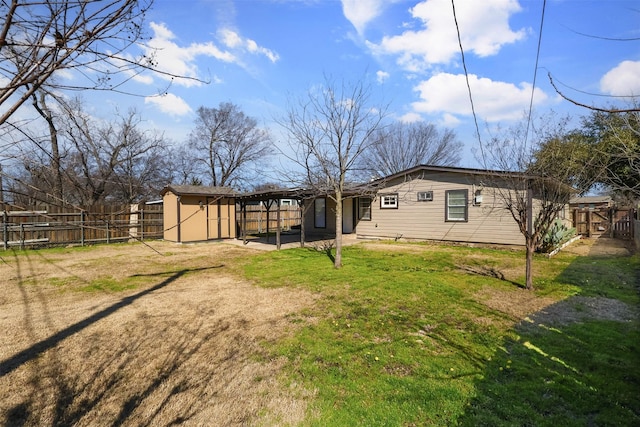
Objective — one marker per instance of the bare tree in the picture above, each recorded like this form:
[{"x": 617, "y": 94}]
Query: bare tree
[
  {"x": 329, "y": 130},
  {"x": 41, "y": 37},
  {"x": 533, "y": 189},
  {"x": 55, "y": 159},
  {"x": 108, "y": 161},
  {"x": 226, "y": 143},
  {"x": 401, "y": 146}
]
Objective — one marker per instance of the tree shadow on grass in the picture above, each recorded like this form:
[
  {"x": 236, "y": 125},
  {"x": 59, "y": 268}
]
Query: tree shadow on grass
[
  {"x": 573, "y": 363},
  {"x": 67, "y": 377},
  {"x": 34, "y": 351}
]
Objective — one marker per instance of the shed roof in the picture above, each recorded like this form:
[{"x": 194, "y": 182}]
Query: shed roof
[
  {"x": 591, "y": 199},
  {"x": 198, "y": 190}
]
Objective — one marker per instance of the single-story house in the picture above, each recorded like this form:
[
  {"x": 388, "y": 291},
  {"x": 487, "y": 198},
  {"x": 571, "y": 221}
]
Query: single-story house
[
  {"x": 427, "y": 203},
  {"x": 194, "y": 213}
]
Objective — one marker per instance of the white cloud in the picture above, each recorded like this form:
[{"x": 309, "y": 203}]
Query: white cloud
[
  {"x": 484, "y": 29},
  {"x": 382, "y": 76},
  {"x": 361, "y": 12},
  {"x": 411, "y": 117},
  {"x": 449, "y": 120},
  {"x": 493, "y": 101},
  {"x": 181, "y": 61},
  {"x": 170, "y": 104},
  {"x": 234, "y": 41},
  {"x": 622, "y": 80}
]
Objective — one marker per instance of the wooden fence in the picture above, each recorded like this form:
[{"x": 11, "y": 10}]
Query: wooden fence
[
  {"x": 290, "y": 218},
  {"x": 55, "y": 226},
  {"x": 610, "y": 222}
]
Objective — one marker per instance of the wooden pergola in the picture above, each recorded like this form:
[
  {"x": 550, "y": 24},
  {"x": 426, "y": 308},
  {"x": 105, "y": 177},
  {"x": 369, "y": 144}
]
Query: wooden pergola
[{"x": 273, "y": 199}]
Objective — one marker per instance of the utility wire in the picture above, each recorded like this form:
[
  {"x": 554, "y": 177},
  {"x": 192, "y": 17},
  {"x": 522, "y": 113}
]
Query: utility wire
[
  {"x": 466, "y": 75},
  {"x": 535, "y": 74}
]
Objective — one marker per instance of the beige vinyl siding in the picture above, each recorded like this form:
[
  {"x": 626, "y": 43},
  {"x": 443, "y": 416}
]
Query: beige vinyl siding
[
  {"x": 488, "y": 222},
  {"x": 309, "y": 219}
]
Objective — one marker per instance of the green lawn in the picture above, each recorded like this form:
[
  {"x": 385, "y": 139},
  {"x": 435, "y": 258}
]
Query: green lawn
[{"x": 407, "y": 335}]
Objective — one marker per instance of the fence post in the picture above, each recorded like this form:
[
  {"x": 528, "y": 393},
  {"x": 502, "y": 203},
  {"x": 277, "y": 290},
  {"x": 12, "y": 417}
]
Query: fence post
[
  {"x": 142, "y": 224},
  {"x": 81, "y": 228},
  {"x": 612, "y": 222},
  {"x": 5, "y": 229},
  {"x": 108, "y": 236},
  {"x": 22, "y": 236}
]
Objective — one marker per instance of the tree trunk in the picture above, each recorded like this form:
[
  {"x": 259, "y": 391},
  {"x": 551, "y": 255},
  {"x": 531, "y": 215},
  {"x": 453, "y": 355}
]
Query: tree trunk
[
  {"x": 44, "y": 111},
  {"x": 529, "y": 264},
  {"x": 337, "y": 263}
]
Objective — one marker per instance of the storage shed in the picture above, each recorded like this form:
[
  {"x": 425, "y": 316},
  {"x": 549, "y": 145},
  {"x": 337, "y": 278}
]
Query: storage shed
[{"x": 194, "y": 213}]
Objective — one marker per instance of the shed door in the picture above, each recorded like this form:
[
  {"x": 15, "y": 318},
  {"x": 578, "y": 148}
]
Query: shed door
[
  {"x": 220, "y": 215},
  {"x": 213, "y": 219},
  {"x": 224, "y": 218}
]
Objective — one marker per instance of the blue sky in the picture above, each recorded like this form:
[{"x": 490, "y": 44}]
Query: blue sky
[{"x": 259, "y": 54}]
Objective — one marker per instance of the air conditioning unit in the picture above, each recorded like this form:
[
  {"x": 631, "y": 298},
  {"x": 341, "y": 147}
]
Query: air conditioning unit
[{"x": 425, "y": 196}]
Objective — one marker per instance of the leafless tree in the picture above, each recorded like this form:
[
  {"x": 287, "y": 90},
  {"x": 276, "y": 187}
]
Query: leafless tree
[
  {"x": 227, "y": 143},
  {"x": 93, "y": 38},
  {"x": 329, "y": 130},
  {"x": 532, "y": 188},
  {"x": 401, "y": 146},
  {"x": 99, "y": 161}
]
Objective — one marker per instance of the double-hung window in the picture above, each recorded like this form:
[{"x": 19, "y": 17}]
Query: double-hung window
[{"x": 456, "y": 208}]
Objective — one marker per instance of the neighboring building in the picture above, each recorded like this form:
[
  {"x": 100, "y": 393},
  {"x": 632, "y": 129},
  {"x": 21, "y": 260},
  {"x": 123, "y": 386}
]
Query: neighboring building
[
  {"x": 196, "y": 213},
  {"x": 591, "y": 202},
  {"x": 428, "y": 203}
]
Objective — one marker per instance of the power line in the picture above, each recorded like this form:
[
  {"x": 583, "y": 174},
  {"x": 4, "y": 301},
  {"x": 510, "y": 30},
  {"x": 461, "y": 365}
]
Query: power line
[
  {"x": 535, "y": 74},
  {"x": 466, "y": 75}
]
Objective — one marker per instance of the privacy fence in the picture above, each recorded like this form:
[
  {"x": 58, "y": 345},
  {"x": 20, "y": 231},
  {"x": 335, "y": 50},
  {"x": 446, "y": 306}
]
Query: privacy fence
[
  {"x": 259, "y": 221},
  {"x": 59, "y": 226},
  {"x": 32, "y": 227},
  {"x": 609, "y": 222}
]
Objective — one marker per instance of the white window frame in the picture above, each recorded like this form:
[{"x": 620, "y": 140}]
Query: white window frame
[{"x": 389, "y": 201}]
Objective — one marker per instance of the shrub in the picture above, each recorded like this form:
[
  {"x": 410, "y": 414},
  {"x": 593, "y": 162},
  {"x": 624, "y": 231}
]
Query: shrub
[{"x": 557, "y": 235}]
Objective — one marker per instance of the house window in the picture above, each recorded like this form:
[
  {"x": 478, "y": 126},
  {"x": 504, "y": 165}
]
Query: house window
[
  {"x": 389, "y": 201},
  {"x": 364, "y": 208},
  {"x": 425, "y": 196},
  {"x": 320, "y": 213},
  {"x": 456, "y": 205}
]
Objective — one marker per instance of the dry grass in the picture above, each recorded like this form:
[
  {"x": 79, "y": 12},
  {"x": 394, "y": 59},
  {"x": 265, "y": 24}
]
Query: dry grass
[{"x": 184, "y": 347}]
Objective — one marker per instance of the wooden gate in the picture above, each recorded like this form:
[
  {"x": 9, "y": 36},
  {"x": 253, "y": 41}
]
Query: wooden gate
[
  {"x": 610, "y": 222},
  {"x": 622, "y": 221}
]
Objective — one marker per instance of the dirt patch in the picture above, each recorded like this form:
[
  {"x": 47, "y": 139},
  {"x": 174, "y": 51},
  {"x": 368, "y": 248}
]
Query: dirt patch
[
  {"x": 516, "y": 304},
  {"x": 600, "y": 247},
  {"x": 579, "y": 309},
  {"x": 185, "y": 348}
]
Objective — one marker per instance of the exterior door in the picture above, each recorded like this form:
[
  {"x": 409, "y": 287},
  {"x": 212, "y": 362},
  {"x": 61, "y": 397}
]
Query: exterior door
[
  {"x": 347, "y": 216},
  {"x": 224, "y": 218},
  {"x": 213, "y": 219}
]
